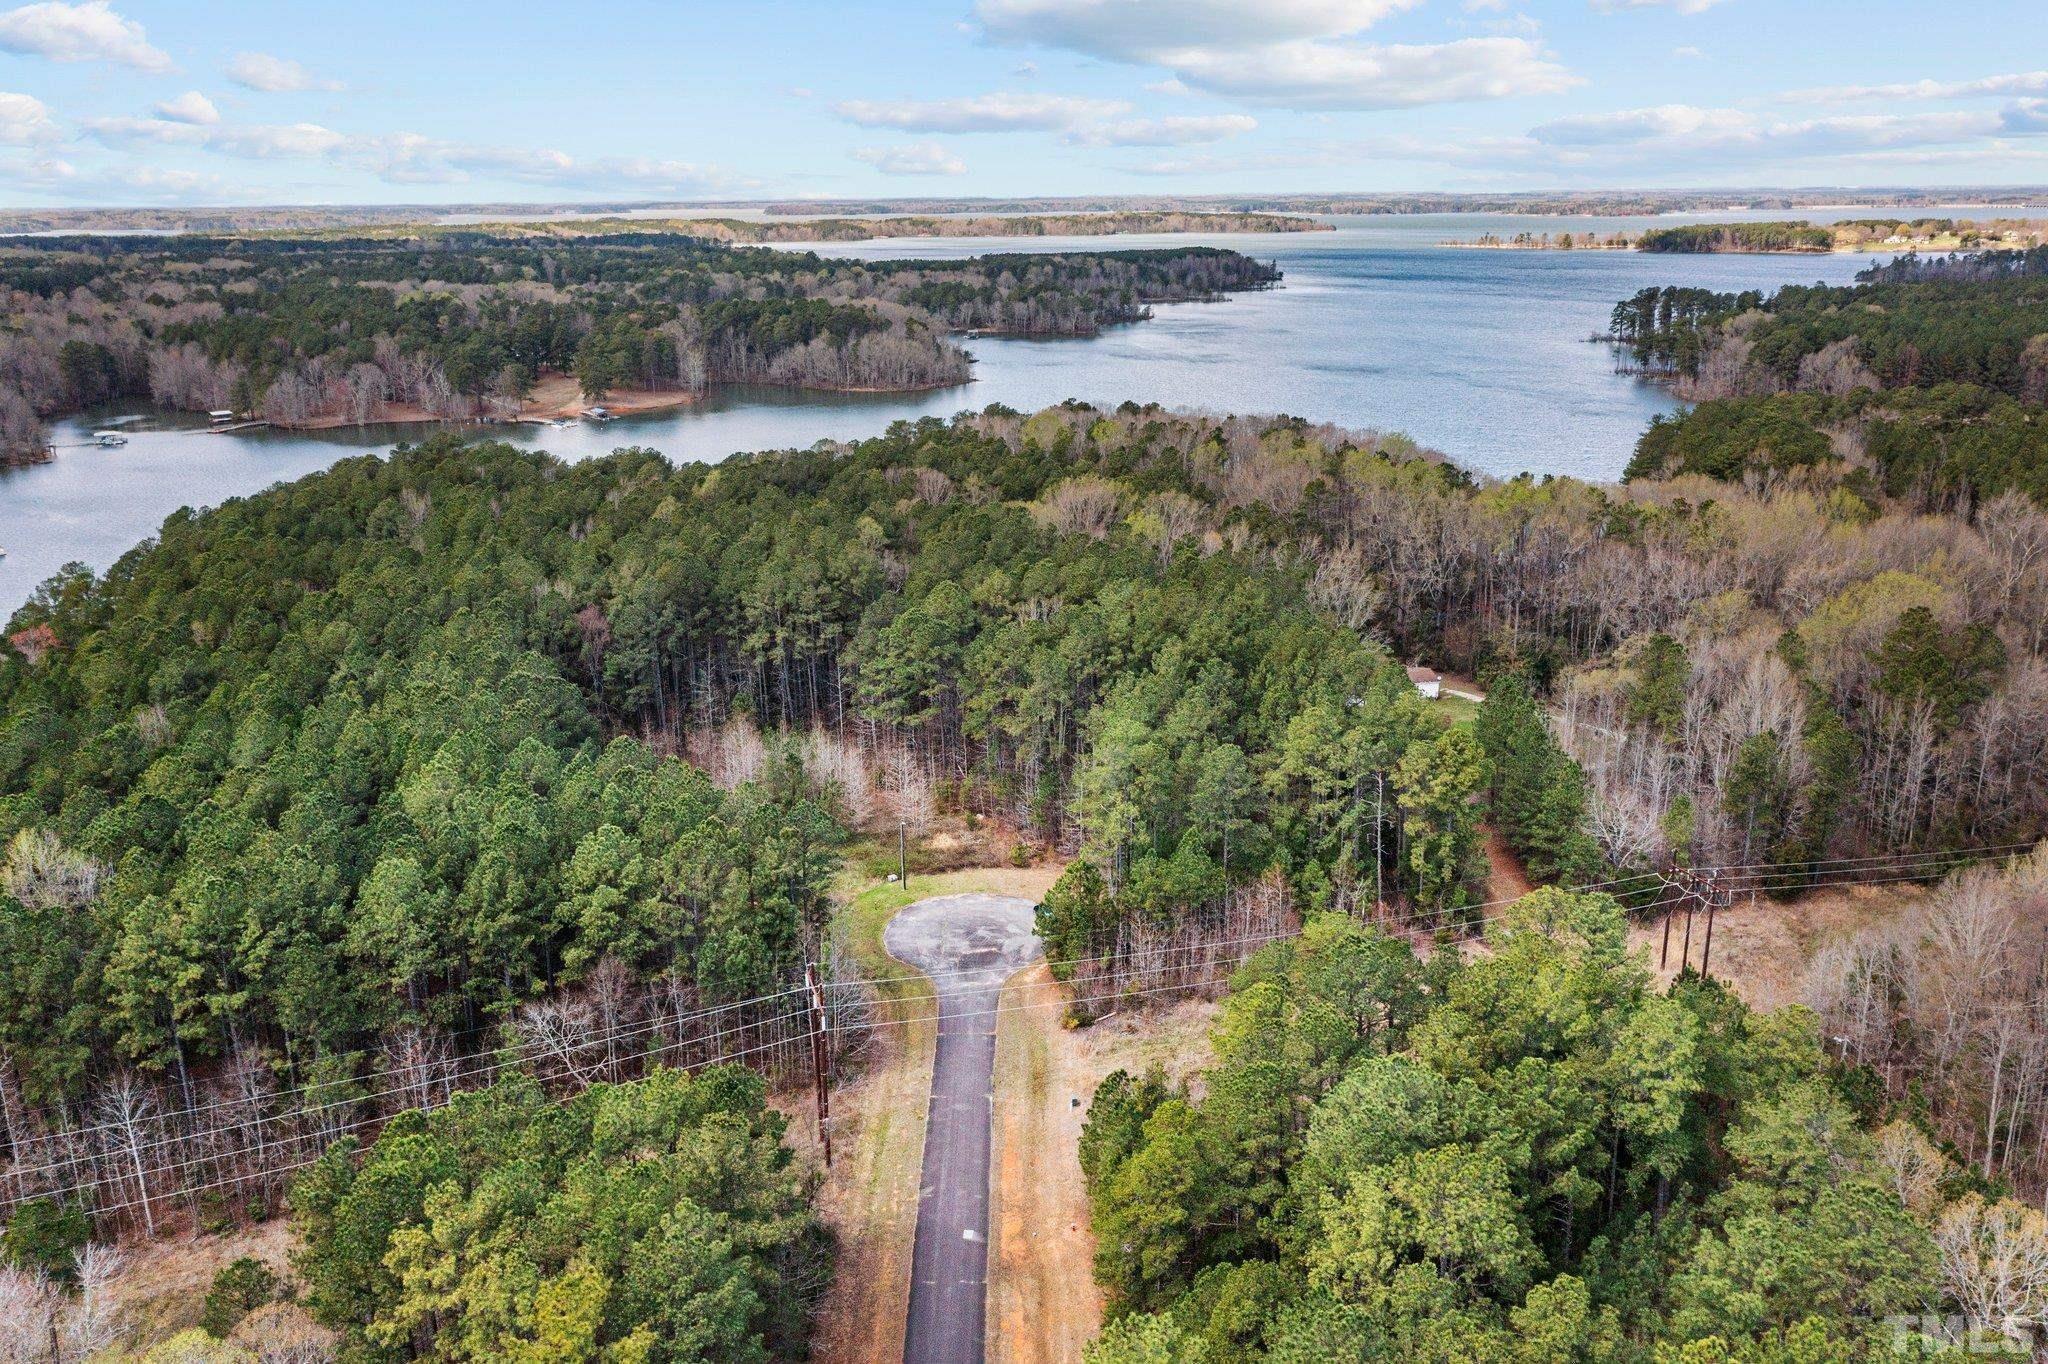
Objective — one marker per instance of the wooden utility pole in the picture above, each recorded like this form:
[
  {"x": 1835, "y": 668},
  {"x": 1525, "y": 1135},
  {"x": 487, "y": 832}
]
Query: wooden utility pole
[
  {"x": 821, "y": 1053},
  {"x": 902, "y": 860},
  {"x": 1716, "y": 896},
  {"x": 1664, "y": 959},
  {"x": 1379, "y": 843},
  {"x": 1685, "y": 948},
  {"x": 1699, "y": 891}
]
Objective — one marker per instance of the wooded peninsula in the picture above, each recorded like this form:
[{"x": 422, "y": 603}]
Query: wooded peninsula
[
  {"x": 1926, "y": 378},
  {"x": 477, "y": 324}
]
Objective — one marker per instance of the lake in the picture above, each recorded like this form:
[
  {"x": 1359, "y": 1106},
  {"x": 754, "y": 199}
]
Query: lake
[{"x": 1480, "y": 354}]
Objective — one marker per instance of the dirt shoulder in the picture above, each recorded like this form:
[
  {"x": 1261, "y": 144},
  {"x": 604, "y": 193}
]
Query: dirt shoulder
[
  {"x": 869, "y": 1197},
  {"x": 1043, "y": 1305}
]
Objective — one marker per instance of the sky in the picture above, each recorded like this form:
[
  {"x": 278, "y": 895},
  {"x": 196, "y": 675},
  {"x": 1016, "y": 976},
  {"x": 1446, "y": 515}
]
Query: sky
[{"x": 139, "y": 102}]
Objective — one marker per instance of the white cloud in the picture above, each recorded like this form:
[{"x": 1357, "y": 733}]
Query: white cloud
[
  {"x": 980, "y": 113},
  {"x": 1301, "y": 54},
  {"x": 1084, "y": 122},
  {"x": 1682, "y": 6},
  {"x": 1172, "y": 85},
  {"x": 1193, "y": 165},
  {"x": 190, "y": 107},
  {"x": 272, "y": 141},
  {"x": 1138, "y": 30},
  {"x": 37, "y": 173},
  {"x": 1677, "y": 143},
  {"x": 408, "y": 158},
  {"x": 1689, "y": 52},
  {"x": 1630, "y": 125},
  {"x": 89, "y": 32},
  {"x": 1682, "y": 135},
  {"x": 275, "y": 75},
  {"x": 2025, "y": 118},
  {"x": 1176, "y": 131},
  {"x": 2014, "y": 83},
  {"x": 125, "y": 131},
  {"x": 411, "y": 159},
  {"x": 918, "y": 158},
  {"x": 1395, "y": 76},
  {"x": 25, "y": 121}
]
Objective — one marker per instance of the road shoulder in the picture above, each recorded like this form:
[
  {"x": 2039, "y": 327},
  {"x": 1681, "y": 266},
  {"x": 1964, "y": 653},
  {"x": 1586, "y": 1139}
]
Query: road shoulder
[
  {"x": 1043, "y": 1305},
  {"x": 870, "y": 1196}
]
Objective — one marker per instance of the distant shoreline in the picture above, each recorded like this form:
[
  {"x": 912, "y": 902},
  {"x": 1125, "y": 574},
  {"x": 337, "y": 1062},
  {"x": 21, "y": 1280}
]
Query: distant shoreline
[
  {"x": 1794, "y": 237},
  {"x": 1589, "y": 204}
]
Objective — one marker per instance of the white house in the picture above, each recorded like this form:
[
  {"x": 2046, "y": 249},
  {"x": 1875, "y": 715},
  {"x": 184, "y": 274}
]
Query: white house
[{"x": 1428, "y": 681}]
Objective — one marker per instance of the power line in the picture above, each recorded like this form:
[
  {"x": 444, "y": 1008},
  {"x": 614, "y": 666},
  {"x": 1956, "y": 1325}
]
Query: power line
[
  {"x": 1766, "y": 876},
  {"x": 500, "y": 1062}
]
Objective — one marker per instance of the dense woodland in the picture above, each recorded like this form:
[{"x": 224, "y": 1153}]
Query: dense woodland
[
  {"x": 647, "y": 1223},
  {"x": 1696, "y": 238},
  {"x": 370, "y": 773},
  {"x": 465, "y": 760},
  {"x": 1926, "y": 381},
  {"x": 1911, "y": 323},
  {"x": 462, "y": 323},
  {"x": 1533, "y": 1154}
]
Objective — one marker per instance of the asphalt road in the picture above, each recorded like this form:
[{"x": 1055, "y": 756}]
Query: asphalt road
[{"x": 969, "y": 945}]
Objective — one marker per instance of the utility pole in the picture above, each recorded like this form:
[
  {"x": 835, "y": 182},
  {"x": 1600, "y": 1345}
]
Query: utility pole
[
  {"x": 1716, "y": 896},
  {"x": 1379, "y": 841},
  {"x": 821, "y": 1052},
  {"x": 1664, "y": 960},
  {"x": 902, "y": 860},
  {"x": 1698, "y": 890},
  {"x": 1685, "y": 949}
]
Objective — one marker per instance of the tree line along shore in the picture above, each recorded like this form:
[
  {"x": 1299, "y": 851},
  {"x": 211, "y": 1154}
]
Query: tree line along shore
[
  {"x": 475, "y": 324},
  {"x": 769, "y": 230},
  {"x": 1795, "y": 238}
]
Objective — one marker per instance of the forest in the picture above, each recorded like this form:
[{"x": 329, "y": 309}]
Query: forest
[
  {"x": 308, "y": 329},
  {"x": 1535, "y": 1154},
  {"x": 233, "y": 769},
  {"x": 1926, "y": 381},
  {"x": 470, "y": 780},
  {"x": 1695, "y": 238},
  {"x": 1911, "y": 323}
]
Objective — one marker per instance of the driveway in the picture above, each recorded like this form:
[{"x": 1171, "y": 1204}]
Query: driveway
[{"x": 969, "y": 945}]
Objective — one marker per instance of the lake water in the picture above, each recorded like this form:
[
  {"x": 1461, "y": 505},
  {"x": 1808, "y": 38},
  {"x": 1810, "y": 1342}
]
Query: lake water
[{"x": 1481, "y": 354}]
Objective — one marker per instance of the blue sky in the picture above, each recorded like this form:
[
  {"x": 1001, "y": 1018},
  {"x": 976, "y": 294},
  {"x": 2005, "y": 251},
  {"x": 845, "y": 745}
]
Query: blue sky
[{"x": 226, "y": 101}]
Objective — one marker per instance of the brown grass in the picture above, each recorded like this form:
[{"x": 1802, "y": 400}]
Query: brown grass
[
  {"x": 162, "y": 1288},
  {"x": 1043, "y": 1305},
  {"x": 1762, "y": 947}
]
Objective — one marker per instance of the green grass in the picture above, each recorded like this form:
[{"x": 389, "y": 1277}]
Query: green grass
[
  {"x": 1455, "y": 710},
  {"x": 867, "y": 912}
]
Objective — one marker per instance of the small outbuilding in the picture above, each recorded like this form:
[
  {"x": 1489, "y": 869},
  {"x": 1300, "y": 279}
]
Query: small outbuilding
[{"x": 1428, "y": 681}]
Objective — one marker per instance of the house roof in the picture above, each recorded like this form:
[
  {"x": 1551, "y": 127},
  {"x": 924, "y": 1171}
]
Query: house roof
[{"x": 1418, "y": 673}]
